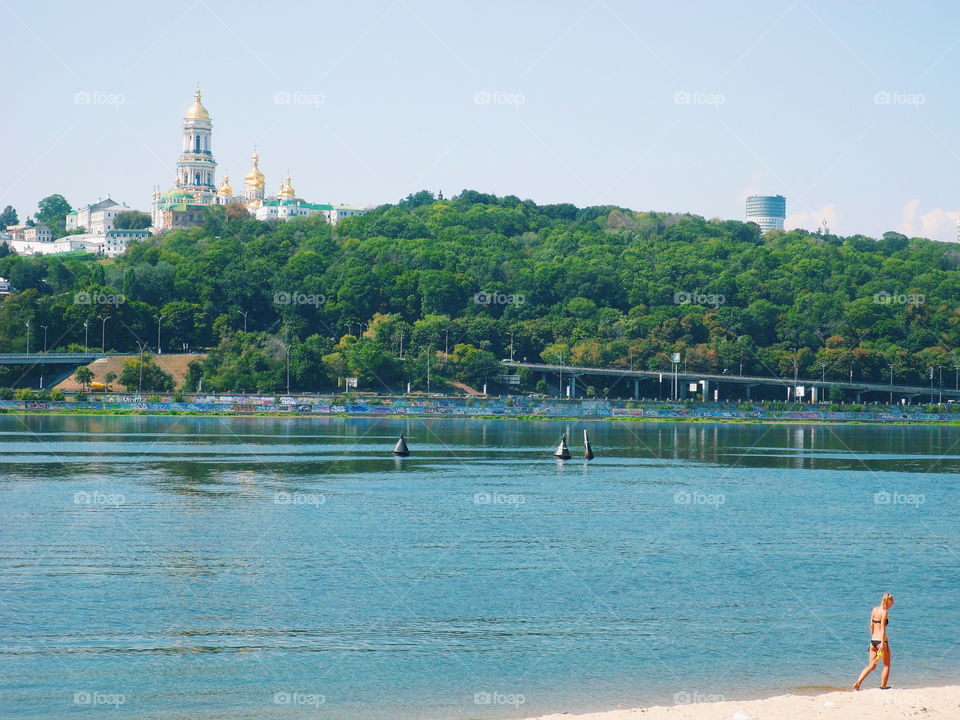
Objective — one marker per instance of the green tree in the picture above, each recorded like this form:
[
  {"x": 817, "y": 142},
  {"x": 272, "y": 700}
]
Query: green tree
[
  {"x": 147, "y": 376},
  {"x": 52, "y": 210},
  {"x": 132, "y": 220},
  {"x": 8, "y": 217},
  {"x": 83, "y": 375}
]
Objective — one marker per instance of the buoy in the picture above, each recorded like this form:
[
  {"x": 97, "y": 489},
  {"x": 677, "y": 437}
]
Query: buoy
[
  {"x": 587, "y": 450},
  {"x": 562, "y": 452},
  {"x": 401, "y": 448}
]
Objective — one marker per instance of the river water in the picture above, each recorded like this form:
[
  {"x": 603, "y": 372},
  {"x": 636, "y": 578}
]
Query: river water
[{"x": 226, "y": 567}]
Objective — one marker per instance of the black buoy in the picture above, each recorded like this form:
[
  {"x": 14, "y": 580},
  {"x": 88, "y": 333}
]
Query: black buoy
[
  {"x": 587, "y": 450},
  {"x": 401, "y": 448},
  {"x": 562, "y": 452}
]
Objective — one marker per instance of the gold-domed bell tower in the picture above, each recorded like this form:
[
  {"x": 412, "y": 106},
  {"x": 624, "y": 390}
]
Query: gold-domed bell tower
[
  {"x": 225, "y": 192},
  {"x": 255, "y": 183},
  {"x": 286, "y": 193},
  {"x": 196, "y": 169}
]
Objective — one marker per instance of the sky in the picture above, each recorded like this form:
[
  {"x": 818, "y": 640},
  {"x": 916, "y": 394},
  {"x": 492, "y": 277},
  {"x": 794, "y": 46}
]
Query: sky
[{"x": 848, "y": 109}]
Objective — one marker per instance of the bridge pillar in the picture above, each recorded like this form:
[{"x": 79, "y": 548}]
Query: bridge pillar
[
  {"x": 636, "y": 389},
  {"x": 705, "y": 386}
]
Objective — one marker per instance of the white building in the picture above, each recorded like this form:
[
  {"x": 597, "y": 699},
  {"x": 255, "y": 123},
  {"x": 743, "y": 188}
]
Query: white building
[
  {"x": 95, "y": 219},
  {"x": 109, "y": 244},
  {"x": 5, "y": 287}
]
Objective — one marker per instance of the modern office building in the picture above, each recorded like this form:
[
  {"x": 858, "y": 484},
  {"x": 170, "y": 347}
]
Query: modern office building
[{"x": 767, "y": 211}]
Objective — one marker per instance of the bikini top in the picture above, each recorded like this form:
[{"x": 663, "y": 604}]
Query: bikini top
[{"x": 886, "y": 621}]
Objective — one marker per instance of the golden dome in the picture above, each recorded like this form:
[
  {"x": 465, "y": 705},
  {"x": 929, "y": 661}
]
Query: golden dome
[
  {"x": 225, "y": 188},
  {"x": 197, "y": 111},
  {"x": 255, "y": 178},
  {"x": 286, "y": 190}
]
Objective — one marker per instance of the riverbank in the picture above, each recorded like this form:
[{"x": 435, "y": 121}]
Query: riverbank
[
  {"x": 515, "y": 407},
  {"x": 876, "y": 704}
]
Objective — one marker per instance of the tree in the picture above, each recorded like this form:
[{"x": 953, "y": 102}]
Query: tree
[
  {"x": 109, "y": 378},
  {"x": 132, "y": 220},
  {"x": 52, "y": 210},
  {"x": 83, "y": 375},
  {"x": 148, "y": 377},
  {"x": 8, "y": 217}
]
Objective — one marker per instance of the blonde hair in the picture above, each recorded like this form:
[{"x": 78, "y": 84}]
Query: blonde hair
[{"x": 883, "y": 600}]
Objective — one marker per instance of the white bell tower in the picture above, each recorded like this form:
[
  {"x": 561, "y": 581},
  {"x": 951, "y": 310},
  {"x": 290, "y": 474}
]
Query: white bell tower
[{"x": 196, "y": 169}]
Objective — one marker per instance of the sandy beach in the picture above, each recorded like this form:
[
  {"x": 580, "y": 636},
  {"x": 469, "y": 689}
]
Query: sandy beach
[{"x": 875, "y": 704}]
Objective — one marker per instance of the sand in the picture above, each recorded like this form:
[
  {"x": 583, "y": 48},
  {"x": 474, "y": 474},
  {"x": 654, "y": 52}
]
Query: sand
[
  {"x": 173, "y": 363},
  {"x": 869, "y": 704}
]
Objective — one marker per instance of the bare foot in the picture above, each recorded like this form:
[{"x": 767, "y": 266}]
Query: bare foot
[{"x": 857, "y": 686}]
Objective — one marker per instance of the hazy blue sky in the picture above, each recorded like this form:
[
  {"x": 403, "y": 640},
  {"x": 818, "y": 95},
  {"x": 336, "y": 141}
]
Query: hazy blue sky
[{"x": 682, "y": 106}]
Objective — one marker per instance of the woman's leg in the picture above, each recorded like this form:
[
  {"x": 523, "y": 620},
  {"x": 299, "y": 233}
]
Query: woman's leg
[
  {"x": 868, "y": 669},
  {"x": 885, "y": 674}
]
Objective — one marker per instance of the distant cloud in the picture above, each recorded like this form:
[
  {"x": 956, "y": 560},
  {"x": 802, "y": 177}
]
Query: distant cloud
[
  {"x": 937, "y": 224},
  {"x": 814, "y": 219}
]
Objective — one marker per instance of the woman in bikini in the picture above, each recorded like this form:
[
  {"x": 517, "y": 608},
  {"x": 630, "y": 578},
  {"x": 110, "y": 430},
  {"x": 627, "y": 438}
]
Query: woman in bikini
[{"x": 879, "y": 647}]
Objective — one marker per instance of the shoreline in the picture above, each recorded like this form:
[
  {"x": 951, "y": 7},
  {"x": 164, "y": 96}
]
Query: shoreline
[
  {"x": 704, "y": 420},
  {"x": 896, "y": 703}
]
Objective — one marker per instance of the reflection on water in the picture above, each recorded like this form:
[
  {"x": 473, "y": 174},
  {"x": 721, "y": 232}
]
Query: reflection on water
[{"x": 203, "y": 567}]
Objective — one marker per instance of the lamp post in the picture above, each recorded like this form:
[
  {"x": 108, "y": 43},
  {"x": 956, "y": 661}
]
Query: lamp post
[
  {"x": 286, "y": 350},
  {"x": 931, "y": 383},
  {"x": 142, "y": 346},
  {"x": 940, "y": 394},
  {"x": 44, "y": 337},
  {"x": 159, "y": 318},
  {"x": 244, "y": 313},
  {"x": 86, "y": 335},
  {"x": 27, "y": 323},
  {"x": 103, "y": 333},
  {"x": 511, "y": 346},
  {"x": 560, "y": 357},
  {"x": 891, "y": 383}
]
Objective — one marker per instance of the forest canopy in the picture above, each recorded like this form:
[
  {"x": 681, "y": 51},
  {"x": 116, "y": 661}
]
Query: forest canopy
[{"x": 464, "y": 282}]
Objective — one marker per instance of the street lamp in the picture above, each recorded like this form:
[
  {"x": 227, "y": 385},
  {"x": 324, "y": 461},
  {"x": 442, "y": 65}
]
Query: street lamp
[
  {"x": 143, "y": 346},
  {"x": 103, "y": 333},
  {"x": 86, "y": 335},
  {"x": 511, "y": 346},
  {"x": 286, "y": 350},
  {"x": 560, "y": 356},
  {"x": 891, "y": 383},
  {"x": 244, "y": 313},
  {"x": 159, "y": 318},
  {"x": 27, "y": 323},
  {"x": 44, "y": 337}
]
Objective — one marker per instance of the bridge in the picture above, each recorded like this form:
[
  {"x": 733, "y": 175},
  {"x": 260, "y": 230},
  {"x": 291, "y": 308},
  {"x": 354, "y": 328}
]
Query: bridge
[
  {"x": 705, "y": 382},
  {"x": 51, "y": 358}
]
